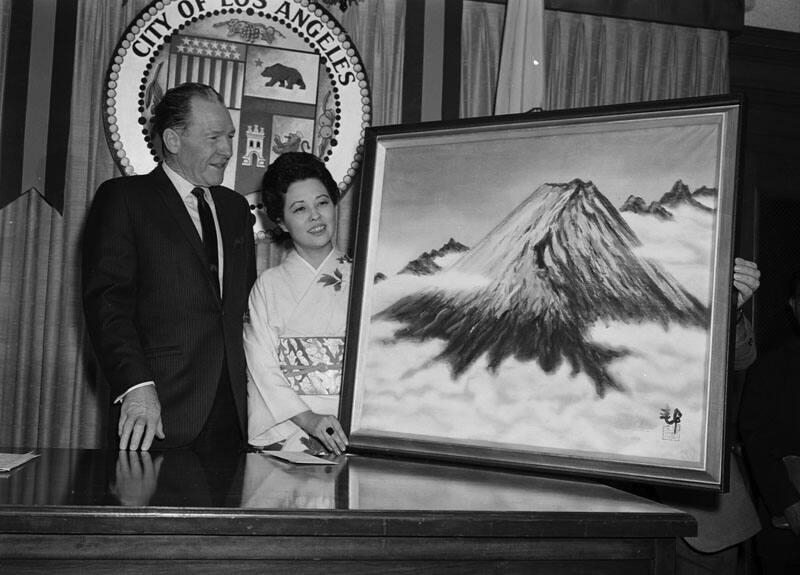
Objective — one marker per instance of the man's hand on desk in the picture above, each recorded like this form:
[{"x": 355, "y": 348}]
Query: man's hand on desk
[{"x": 140, "y": 419}]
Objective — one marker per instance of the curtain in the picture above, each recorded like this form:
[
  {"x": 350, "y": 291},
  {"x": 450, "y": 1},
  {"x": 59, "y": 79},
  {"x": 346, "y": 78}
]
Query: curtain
[
  {"x": 520, "y": 82},
  {"x": 481, "y": 39},
  {"x": 48, "y": 395},
  {"x": 595, "y": 60}
]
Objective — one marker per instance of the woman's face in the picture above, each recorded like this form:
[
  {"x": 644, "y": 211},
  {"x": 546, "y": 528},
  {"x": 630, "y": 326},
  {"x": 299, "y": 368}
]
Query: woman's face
[{"x": 309, "y": 216}]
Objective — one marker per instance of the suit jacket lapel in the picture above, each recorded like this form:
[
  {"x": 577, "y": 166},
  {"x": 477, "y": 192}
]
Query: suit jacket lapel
[{"x": 176, "y": 207}]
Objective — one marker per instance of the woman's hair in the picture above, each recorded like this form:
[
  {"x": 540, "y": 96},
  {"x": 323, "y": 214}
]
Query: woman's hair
[{"x": 288, "y": 168}]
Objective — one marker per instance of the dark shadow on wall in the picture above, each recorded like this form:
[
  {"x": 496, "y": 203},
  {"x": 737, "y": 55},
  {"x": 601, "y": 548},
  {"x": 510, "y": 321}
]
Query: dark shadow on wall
[{"x": 778, "y": 258}]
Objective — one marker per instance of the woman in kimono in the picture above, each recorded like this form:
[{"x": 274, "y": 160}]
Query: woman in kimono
[{"x": 294, "y": 339}]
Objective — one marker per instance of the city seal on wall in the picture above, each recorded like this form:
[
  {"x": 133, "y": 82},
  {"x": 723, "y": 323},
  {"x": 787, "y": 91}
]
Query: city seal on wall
[{"x": 289, "y": 74}]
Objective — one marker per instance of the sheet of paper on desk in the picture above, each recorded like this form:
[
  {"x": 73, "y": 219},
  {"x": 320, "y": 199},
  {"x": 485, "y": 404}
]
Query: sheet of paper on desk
[
  {"x": 299, "y": 457},
  {"x": 9, "y": 461}
]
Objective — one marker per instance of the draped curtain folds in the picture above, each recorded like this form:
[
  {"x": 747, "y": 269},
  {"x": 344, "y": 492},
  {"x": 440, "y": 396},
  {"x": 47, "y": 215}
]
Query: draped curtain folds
[
  {"x": 48, "y": 395},
  {"x": 596, "y": 60},
  {"x": 481, "y": 39},
  {"x": 520, "y": 82}
]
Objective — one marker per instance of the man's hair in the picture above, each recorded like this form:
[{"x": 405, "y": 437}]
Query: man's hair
[
  {"x": 175, "y": 107},
  {"x": 288, "y": 168}
]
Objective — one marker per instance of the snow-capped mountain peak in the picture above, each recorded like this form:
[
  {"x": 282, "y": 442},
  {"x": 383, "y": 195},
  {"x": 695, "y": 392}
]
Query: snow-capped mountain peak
[{"x": 561, "y": 260}]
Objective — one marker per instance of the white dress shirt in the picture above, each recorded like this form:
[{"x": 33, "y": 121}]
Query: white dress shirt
[{"x": 190, "y": 201}]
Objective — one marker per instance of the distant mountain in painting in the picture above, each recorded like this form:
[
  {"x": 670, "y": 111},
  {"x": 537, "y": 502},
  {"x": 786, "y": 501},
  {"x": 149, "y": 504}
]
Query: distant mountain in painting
[
  {"x": 678, "y": 196},
  {"x": 560, "y": 261},
  {"x": 428, "y": 262}
]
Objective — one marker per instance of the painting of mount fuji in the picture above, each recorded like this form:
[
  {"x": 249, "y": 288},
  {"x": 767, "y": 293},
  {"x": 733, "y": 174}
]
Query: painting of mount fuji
[{"x": 548, "y": 291}]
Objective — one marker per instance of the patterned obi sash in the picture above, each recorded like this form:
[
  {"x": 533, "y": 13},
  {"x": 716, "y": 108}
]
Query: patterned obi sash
[{"x": 313, "y": 365}]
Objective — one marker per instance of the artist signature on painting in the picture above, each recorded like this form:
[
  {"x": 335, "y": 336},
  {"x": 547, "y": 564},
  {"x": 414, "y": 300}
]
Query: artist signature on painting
[{"x": 671, "y": 419}]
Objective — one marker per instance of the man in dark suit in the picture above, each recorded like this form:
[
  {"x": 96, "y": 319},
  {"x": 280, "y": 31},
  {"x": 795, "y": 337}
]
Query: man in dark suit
[
  {"x": 168, "y": 262},
  {"x": 770, "y": 426}
]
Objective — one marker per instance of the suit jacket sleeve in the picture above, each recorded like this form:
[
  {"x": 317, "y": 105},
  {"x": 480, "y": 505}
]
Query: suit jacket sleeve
[
  {"x": 109, "y": 277},
  {"x": 745, "y": 348}
]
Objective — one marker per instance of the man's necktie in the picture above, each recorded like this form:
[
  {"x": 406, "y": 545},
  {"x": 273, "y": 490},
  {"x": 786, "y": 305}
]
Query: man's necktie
[{"x": 209, "y": 235}]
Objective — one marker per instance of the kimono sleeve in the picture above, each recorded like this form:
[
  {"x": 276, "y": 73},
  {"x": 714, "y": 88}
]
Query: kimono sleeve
[{"x": 271, "y": 400}]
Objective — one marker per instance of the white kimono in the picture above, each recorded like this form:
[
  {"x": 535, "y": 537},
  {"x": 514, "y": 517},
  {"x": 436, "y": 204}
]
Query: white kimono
[{"x": 294, "y": 343}]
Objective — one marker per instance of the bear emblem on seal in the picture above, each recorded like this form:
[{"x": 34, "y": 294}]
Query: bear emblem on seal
[{"x": 283, "y": 76}]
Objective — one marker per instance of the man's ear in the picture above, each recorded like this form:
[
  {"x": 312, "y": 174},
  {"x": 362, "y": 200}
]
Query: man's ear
[{"x": 171, "y": 140}]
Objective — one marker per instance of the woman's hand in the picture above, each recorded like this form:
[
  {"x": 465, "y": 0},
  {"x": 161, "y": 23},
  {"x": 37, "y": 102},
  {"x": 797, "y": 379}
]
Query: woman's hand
[{"x": 324, "y": 428}]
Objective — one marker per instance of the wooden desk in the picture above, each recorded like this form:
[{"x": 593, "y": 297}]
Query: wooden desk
[{"x": 94, "y": 512}]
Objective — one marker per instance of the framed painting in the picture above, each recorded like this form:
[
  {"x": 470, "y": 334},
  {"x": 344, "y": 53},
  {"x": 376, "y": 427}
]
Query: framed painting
[{"x": 549, "y": 290}]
